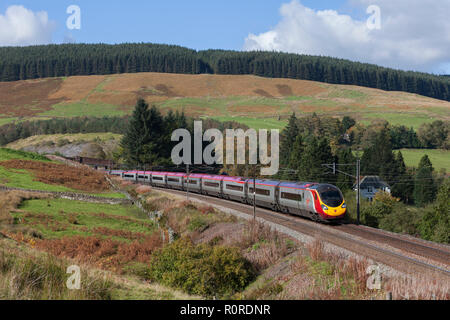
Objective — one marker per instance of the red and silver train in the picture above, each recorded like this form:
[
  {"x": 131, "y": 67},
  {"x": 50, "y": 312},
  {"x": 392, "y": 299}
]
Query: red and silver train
[{"x": 320, "y": 202}]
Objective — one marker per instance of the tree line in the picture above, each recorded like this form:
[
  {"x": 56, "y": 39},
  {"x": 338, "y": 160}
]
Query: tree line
[
  {"x": 309, "y": 142},
  {"x": 21, "y": 63}
]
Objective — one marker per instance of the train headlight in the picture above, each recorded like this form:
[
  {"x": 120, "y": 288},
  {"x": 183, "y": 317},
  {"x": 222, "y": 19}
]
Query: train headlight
[
  {"x": 344, "y": 206},
  {"x": 324, "y": 207}
]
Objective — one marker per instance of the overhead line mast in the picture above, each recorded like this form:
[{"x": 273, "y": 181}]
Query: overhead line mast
[{"x": 333, "y": 166}]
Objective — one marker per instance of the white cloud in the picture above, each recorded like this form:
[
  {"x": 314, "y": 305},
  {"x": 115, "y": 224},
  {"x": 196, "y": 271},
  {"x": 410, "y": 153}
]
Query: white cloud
[
  {"x": 20, "y": 26},
  {"x": 414, "y": 34}
]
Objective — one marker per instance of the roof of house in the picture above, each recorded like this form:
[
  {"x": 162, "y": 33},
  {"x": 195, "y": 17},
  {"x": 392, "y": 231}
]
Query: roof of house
[{"x": 373, "y": 181}]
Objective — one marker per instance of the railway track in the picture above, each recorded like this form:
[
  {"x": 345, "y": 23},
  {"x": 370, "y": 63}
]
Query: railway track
[
  {"x": 430, "y": 251},
  {"x": 379, "y": 246}
]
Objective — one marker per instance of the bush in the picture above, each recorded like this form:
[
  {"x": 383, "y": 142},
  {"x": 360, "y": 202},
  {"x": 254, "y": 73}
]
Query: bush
[
  {"x": 44, "y": 278},
  {"x": 381, "y": 207},
  {"x": 435, "y": 223},
  {"x": 402, "y": 220},
  {"x": 201, "y": 269}
]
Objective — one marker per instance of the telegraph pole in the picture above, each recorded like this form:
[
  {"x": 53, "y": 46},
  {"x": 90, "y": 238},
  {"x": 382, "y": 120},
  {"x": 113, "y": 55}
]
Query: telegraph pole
[
  {"x": 334, "y": 166},
  {"x": 358, "y": 189},
  {"x": 254, "y": 196},
  {"x": 187, "y": 183}
]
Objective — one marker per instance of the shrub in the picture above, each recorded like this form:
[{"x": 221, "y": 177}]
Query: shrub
[
  {"x": 201, "y": 269},
  {"x": 435, "y": 223},
  {"x": 45, "y": 278}
]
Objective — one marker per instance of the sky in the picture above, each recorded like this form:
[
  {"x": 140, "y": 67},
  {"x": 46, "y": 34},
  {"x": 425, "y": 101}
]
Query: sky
[{"x": 402, "y": 34}]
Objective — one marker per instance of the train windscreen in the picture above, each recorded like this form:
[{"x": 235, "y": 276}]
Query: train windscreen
[{"x": 330, "y": 195}]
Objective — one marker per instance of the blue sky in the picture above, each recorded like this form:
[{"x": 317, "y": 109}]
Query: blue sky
[
  {"x": 412, "y": 34},
  {"x": 198, "y": 24}
]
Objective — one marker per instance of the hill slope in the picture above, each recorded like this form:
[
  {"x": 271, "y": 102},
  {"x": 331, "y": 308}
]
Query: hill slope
[
  {"x": 21, "y": 63},
  {"x": 256, "y": 101}
]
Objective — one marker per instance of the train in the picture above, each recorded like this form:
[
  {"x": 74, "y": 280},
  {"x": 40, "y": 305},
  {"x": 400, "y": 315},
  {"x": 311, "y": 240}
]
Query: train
[{"x": 316, "y": 201}]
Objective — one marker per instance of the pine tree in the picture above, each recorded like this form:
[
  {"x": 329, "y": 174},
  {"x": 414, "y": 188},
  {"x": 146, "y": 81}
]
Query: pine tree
[
  {"x": 345, "y": 156},
  {"x": 316, "y": 153},
  {"x": 295, "y": 156},
  {"x": 140, "y": 133},
  {"x": 403, "y": 185},
  {"x": 424, "y": 186},
  {"x": 288, "y": 138}
]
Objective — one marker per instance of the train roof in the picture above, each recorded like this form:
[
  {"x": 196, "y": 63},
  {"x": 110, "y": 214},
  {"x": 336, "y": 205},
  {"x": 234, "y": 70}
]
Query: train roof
[
  {"x": 234, "y": 179},
  {"x": 298, "y": 185},
  {"x": 264, "y": 182},
  {"x": 213, "y": 177}
]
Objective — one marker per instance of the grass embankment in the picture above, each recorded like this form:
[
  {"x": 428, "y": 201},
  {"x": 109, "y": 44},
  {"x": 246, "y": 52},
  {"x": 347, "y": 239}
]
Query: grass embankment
[
  {"x": 31, "y": 171},
  {"x": 63, "y": 139}
]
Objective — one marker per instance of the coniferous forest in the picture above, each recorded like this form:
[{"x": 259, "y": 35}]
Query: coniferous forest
[{"x": 21, "y": 63}]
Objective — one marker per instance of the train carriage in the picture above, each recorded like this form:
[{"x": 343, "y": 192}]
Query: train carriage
[
  {"x": 195, "y": 183},
  {"x": 212, "y": 185},
  {"x": 143, "y": 176},
  {"x": 265, "y": 193},
  {"x": 130, "y": 175},
  {"x": 116, "y": 173},
  {"x": 175, "y": 180},
  {"x": 159, "y": 179},
  {"x": 234, "y": 188},
  {"x": 295, "y": 198}
]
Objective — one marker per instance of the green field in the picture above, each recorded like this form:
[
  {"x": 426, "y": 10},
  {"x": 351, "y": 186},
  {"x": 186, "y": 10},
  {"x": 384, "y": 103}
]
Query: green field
[
  {"x": 83, "y": 109},
  {"x": 9, "y": 154},
  {"x": 407, "y": 119},
  {"x": 255, "y": 123},
  {"x": 57, "y": 218},
  {"x": 439, "y": 158}
]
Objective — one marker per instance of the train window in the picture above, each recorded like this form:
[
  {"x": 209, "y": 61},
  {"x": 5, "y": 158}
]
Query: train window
[
  {"x": 158, "y": 178},
  {"x": 211, "y": 184},
  {"x": 234, "y": 188},
  {"x": 141, "y": 177},
  {"x": 262, "y": 192},
  {"x": 173, "y": 180},
  {"x": 331, "y": 195},
  {"x": 192, "y": 181},
  {"x": 291, "y": 196},
  {"x": 129, "y": 176}
]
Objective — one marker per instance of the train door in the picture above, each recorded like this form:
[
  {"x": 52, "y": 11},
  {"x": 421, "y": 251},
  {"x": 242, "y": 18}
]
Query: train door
[{"x": 277, "y": 197}]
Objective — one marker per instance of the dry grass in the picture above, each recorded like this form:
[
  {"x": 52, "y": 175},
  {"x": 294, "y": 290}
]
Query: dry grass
[
  {"x": 80, "y": 178},
  {"x": 28, "y": 98},
  {"x": 26, "y": 275},
  {"x": 103, "y": 253},
  {"x": 10, "y": 200},
  {"x": 74, "y": 89}
]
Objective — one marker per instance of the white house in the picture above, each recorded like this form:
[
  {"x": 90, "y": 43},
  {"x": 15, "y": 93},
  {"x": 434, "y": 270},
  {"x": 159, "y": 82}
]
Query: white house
[{"x": 370, "y": 185}]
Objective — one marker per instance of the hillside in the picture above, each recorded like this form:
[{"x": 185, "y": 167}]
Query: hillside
[
  {"x": 91, "y": 145},
  {"x": 22, "y": 63},
  {"x": 255, "y": 101}
]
